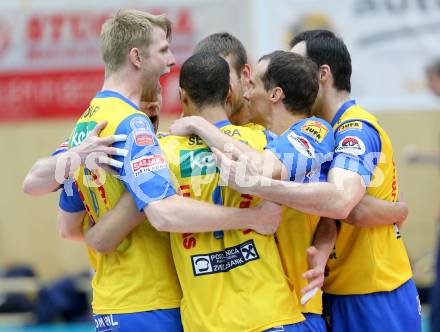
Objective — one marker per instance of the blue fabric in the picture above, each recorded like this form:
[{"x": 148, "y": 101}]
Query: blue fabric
[
  {"x": 145, "y": 173},
  {"x": 306, "y": 158},
  {"x": 357, "y": 150},
  {"x": 298, "y": 327},
  {"x": 221, "y": 124},
  {"x": 71, "y": 203},
  {"x": 62, "y": 148},
  {"x": 315, "y": 323},
  {"x": 345, "y": 106},
  {"x": 270, "y": 136},
  {"x": 435, "y": 296},
  {"x": 395, "y": 311},
  {"x": 148, "y": 321}
]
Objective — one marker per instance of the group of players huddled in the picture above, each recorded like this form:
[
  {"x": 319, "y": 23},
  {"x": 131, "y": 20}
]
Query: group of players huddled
[{"x": 273, "y": 185}]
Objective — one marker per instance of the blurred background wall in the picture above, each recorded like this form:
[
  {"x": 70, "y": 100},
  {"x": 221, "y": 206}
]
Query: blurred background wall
[{"x": 50, "y": 68}]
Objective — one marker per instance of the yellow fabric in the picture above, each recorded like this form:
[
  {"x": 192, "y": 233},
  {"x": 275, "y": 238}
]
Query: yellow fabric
[
  {"x": 219, "y": 301},
  {"x": 295, "y": 235},
  {"x": 139, "y": 275},
  {"x": 368, "y": 260}
]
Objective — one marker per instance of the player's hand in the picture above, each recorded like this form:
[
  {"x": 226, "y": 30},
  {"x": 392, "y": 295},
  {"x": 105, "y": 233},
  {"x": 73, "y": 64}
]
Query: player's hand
[
  {"x": 186, "y": 126},
  {"x": 315, "y": 274},
  {"x": 268, "y": 218},
  {"x": 237, "y": 170},
  {"x": 100, "y": 148}
]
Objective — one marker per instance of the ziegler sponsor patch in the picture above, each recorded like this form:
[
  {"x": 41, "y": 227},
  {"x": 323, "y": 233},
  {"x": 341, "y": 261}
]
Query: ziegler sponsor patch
[
  {"x": 141, "y": 131},
  {"x": 356, "y": 125},
  {"x": 148, "y": 164},
  {"x": 302, "y": 145},
  {"x": 351, "y": 145},
  {"x": 225, "y": 260},
  {"x": 315, "y": 129}
]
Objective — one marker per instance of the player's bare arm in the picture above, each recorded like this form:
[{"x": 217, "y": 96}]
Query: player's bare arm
[
  {"x": 70, "y": 224},
  {"x": 178, "y": 214},
  {"x": 47, "y": 174},
  {"x": 317, "y": 255},
  {"x": 371, "y": 212},
  {"x": 334, "y": 199}
]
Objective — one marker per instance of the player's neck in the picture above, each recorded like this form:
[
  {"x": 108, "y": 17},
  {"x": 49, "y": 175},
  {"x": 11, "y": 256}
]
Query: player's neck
[
  {"x": 333, "y": 100},
  {"x": 282, "y": 120},
  {"x": 213, "y": 114},
  {"x": 130, "y": 89}
]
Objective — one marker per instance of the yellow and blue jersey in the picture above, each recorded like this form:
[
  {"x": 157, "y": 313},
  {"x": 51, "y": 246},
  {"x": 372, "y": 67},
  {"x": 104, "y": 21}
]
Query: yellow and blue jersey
[
  {"x": 231, "y": 280},
  {"x": 306, "y": 150},
  {"x": 139, "y": 275},
  {"x": 363, "y": 147}
]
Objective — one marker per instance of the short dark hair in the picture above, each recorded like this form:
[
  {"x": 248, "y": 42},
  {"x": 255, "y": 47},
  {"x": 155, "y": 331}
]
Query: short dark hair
[
  {"x": 224, "y": 44},
  {"x": 325, "y": 48},
  {"x": 296, "y": 75},
  {"x": 205, "y": 77}
]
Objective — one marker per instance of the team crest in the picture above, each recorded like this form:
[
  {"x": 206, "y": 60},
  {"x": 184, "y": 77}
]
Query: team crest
[{"x": 142, "y": 134}]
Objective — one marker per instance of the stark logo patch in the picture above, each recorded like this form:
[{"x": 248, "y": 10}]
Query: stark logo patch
[
  {"x": 315, "y": 129},
  {"x": 302, "y": 145},
  {"x": 351, "y": 145},
  {"x": 141, "y": 131},
  {"x": 148, "y": 164},
  {"x": 223, "y": 261}
]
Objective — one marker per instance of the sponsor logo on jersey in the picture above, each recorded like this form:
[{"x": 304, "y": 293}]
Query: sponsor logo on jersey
[
  {"x": 141, "y": 131},
  {"x": 302, "y": 145},
  {"x": 351, "y": 125},
  {"x": 81, "y": 132},
  {"x": 197, "y": 162},
  {"x": 225, "y": 260},
  {"x": 351, "y": 145},
  {"x": 315, "y": 129},
  {"x": 148, "y": 164}
]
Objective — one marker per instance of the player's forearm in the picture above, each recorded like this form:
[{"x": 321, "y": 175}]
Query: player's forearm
[
  {"x": 324, "y": 239},
  {"x": 372, "y": 212},
  {"x": 213, "y": 137},
  {"x": 41, "y": 178},
  {"x": 322, "y": 199},
  {"x": 111, "y": 229},
  {"x": 70, "y": 225},
  {"x": 179, "y": 215}
]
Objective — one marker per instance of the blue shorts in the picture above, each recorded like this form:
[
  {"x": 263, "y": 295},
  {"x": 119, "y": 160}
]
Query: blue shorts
[
  {"x": 304, "y": 326},
  {"x": 395, "y": 311},
  {"x": 315, "y": 323},
  {"x": 149, "y": 321}
]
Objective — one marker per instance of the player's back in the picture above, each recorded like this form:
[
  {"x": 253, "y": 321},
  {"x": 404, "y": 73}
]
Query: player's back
[
  {"x": 376, "y": 252},
  {"x": 139, "y": 275},
  {"x": 231, "y": 280}
]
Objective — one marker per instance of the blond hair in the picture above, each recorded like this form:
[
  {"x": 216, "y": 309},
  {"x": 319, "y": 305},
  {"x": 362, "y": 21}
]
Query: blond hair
[{"x": 127, "y": 29}]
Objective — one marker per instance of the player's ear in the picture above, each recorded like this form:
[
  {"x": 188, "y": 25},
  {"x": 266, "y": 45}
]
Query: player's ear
[
  {"x": 246, "y": 74},
  {"x": 184, "y": 98},
  {"x": 277, "y": 94},
  {"x": 135, "y": 57},
  {"x": 324, "y": 73},
  {"x": 229, "y": 96}
]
